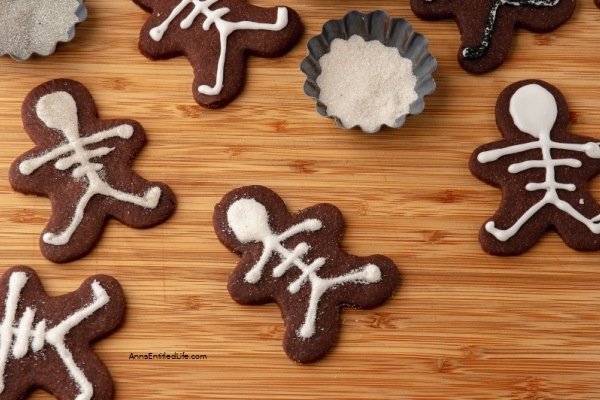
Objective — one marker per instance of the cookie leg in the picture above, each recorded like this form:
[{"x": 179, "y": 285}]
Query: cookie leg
[
  {"x": 505, "y": 234},
  {"x": 214, "y": 90},
  {"x": 225, "y": 29},
  {"x": 370, "y": 273},
  {"x": 64, "y": 237},
  {"x": 475, "y": 52},
  {"x": 590, "y": 223}
]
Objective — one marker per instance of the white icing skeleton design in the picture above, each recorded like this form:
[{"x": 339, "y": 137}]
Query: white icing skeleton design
[
  {"x": 249, "y": 221},
  {"x": 58, "y": 111},
  {"x": 27, "y": 337},
  {"x": 534, "y": 111},
  {"x": 224, "y": 27}
]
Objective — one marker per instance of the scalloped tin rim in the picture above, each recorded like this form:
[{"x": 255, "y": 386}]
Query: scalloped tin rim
[
  {"x": 81, "y": 14},
  {"x": 410, "y": 43}
]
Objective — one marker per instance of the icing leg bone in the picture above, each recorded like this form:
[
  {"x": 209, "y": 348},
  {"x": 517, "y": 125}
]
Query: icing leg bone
[
  {"x": 479, "y": 50},
  {"x": 534, "y": 111},
  {"x": 58, "y": 111},
  {"x": 225, "y": 28},
  {"x": 23, "y": 333},
  {"x": 249, "y": 221}
]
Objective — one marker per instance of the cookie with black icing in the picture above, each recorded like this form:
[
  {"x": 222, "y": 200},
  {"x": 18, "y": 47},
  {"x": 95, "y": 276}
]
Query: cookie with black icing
[
  {"x": 45, "y": 342},
  {"x": 216, "y": 36},
  {"x": 296, "y": 261},
  {"x": 487, "y": 26},
  {"x": 542, "y": 170},
  {"x": 83, "y": 164}
]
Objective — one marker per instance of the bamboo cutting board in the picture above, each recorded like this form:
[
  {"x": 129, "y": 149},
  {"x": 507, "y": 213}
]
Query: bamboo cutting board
[{"x": 463, "y": 324}]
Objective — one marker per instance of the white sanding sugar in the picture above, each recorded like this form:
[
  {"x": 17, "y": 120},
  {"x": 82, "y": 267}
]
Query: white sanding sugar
[
  {"x": 366, "y": 83},
  {"x": 35, "y": 26}
]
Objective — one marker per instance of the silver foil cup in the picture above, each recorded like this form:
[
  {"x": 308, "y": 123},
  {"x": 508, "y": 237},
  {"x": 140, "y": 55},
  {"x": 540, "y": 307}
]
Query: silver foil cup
[
  {"x": 378, "y": 25},
  {"x": 80, "y": 12}
]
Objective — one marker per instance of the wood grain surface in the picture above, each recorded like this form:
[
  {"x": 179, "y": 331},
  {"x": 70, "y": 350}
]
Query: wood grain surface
[{"x": 463, "y": 325}]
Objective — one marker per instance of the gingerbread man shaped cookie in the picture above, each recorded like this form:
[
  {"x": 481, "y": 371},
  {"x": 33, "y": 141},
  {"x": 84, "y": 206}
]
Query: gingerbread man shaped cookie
[
  {"x": 296, "y": 261},
  {"x": 83, "y": 164},
  {"x": 486, "y": 26},
  {"x": 216, "y": 36},
  {"x": 542, "y": 170},
  {"x": 45, "y": 341}
]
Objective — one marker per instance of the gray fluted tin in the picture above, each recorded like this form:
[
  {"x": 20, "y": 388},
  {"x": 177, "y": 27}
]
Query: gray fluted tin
[
  {"x": 81, "y": 13},
  {"x": 377, "y": 25}
]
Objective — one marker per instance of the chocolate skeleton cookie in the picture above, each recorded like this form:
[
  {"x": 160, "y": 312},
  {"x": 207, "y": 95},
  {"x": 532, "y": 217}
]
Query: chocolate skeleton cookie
[
  {"x": 45, "y": 342},
  {"x": 486, "y": 26},
  {"x": 83, "y": 164},
  {"x": 215, "y": 36},
  {"x": 542, "y": 170},
  {"x": 296, "y": 261}
]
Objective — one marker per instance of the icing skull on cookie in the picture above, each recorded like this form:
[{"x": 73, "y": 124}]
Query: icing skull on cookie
[
  {"x": 296, "y": 261},
  {"x": 542, "y": 170},
  {"x": 45, "y": 341},
  {"x": 216, "y": 36},
  {"x": 84, "y": 165},
  {"x": 487, "y": 26}
]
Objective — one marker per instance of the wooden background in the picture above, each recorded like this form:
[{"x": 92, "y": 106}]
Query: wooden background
[{"x": 463, "y": 325}]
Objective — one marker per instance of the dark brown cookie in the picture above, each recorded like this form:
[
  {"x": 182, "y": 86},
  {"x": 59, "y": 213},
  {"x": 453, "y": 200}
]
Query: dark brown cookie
[
  {"x": 45, "y": 342},
  {"x": 296, "y": 261},
  {"x": 486, "y": 26},
  {"x": 216, "y": 36},
  {"x": 83, "y": 164},
  {"x": 542, "y": 170}
]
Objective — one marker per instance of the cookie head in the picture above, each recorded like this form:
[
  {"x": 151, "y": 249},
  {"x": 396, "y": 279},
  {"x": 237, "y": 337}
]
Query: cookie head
[
  {"x": 533, "y": 109},
  {"x": 296, "y": 261},
  {"x": 525, "y": 109},
  {"x": 249, "y": 220}
]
